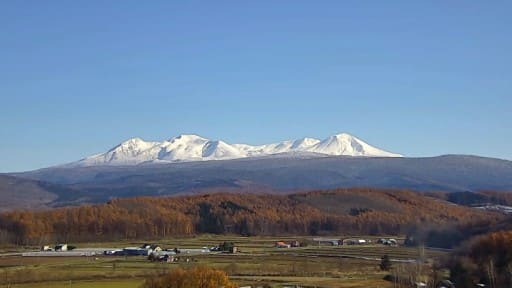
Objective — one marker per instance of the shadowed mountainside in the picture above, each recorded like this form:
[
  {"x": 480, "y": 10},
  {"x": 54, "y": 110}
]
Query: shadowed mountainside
[
  {"x": 443, "y": 173},
  {"x": 276, "y": 174},
  {"x": 20, "y": 193}
]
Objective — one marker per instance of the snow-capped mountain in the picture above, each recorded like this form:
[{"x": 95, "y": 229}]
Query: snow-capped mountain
[{"x": 195, "y": 148}]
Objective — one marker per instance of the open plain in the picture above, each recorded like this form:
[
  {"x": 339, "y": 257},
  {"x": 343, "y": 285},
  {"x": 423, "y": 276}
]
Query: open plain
[{"x": 257, "y": 263}]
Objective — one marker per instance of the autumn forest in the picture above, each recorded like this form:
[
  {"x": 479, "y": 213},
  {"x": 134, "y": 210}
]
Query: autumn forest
[{"x": 342, "y": 212}]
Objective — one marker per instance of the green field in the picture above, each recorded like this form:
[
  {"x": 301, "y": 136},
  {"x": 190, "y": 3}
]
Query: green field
[{"x": 258, "y": 262}]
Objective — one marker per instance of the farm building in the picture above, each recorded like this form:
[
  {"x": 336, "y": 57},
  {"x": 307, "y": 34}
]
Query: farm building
[
  {"x": 135, "y": 251},
  {"x": 281, "y": 244},
  {"x": 328, "y": 241},
  {"x": 166, "y": 258},
  {"x": 151, "y": 248},
  {"x": 295, "y": 243},
  {"x": 389, "y": 242},
  {"x": 61, "y": 247},
  {"x": 354, "y": 241},
  {"x": 115, "y": 252}
]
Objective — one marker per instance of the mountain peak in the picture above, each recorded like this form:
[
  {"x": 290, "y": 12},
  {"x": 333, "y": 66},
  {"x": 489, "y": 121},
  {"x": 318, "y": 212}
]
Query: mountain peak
[
  {"x": 135, "y": 143},
  {"x": 192, "y": 147},
  {"x": 187, "y": 137},
  {"x": 348, "y": 145},
  {"x": 134, "y": 140},
  {"x": 343, "y": 136}
]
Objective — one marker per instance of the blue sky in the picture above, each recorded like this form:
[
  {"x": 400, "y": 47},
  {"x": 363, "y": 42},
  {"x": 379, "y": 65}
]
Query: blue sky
[{"x": 421, "y": 78}]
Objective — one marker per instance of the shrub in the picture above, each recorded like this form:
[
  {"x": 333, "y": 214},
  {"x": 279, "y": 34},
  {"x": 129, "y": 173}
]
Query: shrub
[
  {"x": 385, "y": 263},
  {"x": 197, "y": 277}
]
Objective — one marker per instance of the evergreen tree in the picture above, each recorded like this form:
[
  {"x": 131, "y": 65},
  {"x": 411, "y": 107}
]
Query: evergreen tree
[{"x": 385, "y": 263}]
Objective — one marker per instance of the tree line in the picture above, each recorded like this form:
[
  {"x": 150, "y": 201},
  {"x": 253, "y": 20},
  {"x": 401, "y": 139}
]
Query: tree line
[
  {"x": 311, "y": 213},
  {"x": 485, "y": 259}
]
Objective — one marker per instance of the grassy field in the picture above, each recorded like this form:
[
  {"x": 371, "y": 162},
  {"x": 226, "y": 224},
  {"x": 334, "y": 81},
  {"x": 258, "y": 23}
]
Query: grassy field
[
  {"x": 130, "y": 283},
  {"x": 257, "y": 263}
]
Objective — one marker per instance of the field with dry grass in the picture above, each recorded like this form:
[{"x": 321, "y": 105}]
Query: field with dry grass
[{"x": 258, "y": 263}]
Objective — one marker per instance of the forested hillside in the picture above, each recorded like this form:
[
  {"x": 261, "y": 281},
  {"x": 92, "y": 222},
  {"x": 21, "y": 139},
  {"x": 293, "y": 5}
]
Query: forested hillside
[
  {"x": 486, "y": 258},
  {"x": 342, "y": 211}
]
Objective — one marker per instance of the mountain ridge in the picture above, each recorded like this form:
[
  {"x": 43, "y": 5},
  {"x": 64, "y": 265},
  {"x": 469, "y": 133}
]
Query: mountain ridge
[
  {"x": 191, "y": 147},
  {"x": 275, "y": 174}
]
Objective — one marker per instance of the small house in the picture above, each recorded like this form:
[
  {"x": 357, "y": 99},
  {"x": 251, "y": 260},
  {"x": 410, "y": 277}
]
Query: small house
[
  {"x": 46, "y": 248},
  {"x": 150, "y": 248},
  {"x": 154, "y": 248},
  {"x": 281, "y": 244},
  {"x": 61, "y": 247},
  {"x": 295, "y": 243},
  {"x": 355, "y": 241},
  {"x": 166, "y": 258},
  {"x": 327, "y": 241}
]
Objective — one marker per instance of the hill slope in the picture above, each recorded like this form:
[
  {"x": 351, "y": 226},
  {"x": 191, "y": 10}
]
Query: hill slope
[
  {"x": 282, "y": 174},
  {"x": 24, "y": 194},
  {"x": 21, "y": 193}
]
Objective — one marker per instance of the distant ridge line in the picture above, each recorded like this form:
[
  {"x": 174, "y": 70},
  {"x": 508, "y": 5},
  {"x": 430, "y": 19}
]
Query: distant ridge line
[{"x": 191, "y": 147}]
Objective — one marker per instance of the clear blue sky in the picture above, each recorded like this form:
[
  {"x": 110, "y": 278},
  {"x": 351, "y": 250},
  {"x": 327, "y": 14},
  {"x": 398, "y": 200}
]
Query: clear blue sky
[{"x": 421, "y": 78}]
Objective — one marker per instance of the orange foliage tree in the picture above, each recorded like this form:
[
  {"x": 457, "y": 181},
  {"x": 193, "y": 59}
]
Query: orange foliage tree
[
  {"x": 486, "y": 259},
  {"x": 347, "y": 211},
  {"x": 197, "y": 277}
]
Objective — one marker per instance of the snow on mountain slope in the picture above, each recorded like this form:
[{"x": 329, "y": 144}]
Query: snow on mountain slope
[
  {"x": 220, "y": 150},
  {"x": 196, "y": 148},
  {"x": 182, "y": 148},
  {"x": 304, "y": 143},
  {"x": 132, "y": 151},
  {"x": 345, "y": 144}
]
